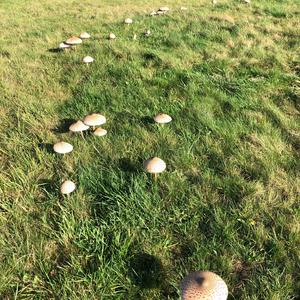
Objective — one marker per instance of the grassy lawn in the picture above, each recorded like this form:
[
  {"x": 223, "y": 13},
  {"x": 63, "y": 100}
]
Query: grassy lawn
[{"x": 229, "y": 200}]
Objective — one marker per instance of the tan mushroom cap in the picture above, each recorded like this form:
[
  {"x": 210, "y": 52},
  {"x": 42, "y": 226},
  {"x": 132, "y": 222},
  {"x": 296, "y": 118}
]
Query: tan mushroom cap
[
  {"x": 164, "y": 8},
  {"x": 87, "y": 59},
  {"x": 128, "y": 21},
  {"x": 154, "y": 165},
  {"x": 203, "y": 285},
  {"x": 67, "y": 187},
  {"x": 94, "y": 120},
  {"x": 84, "y": 35},
  {"x": 112, "y": 36},
  {"x": 78, "y": 126},
  {"x": 162, "y": 118},
  {"x": 100, "y": 132},
  {"x": 62, "y": 147},
  {"x": 73, "y": 41}
]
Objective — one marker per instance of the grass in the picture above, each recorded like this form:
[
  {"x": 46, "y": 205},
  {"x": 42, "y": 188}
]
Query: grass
[{"x": 229, "y": 201}]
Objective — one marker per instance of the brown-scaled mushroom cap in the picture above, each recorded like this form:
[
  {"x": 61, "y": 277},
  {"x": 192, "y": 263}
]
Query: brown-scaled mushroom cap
[
  {"x": 162, "y": 118},
  {"x": 203, "y": 285},
  {"x": 100, "y": 132},
  {"x": 78, "y": 126},
  {"x": 73, "y": 41},
  {"x": 94, "y": 120},
  {"x": 154, "y": 165},
  {"x": 67, "y": 187},
  {"x": 84, "y": 35},
  {"x": 62, "y": 147}
]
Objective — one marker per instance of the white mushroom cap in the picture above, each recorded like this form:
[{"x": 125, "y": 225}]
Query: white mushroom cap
[
  {"x": 100, "y": 132},
  {"x": 154, "y": 165},
  {"x": 73, "y": 41},
  {"x": 62, "y": 147},
  {"x": 164, "y": 8},
  {"x": 67, "y": 187},
  {"x": 94, "y": 120},
  {"x": 78, "y": 127},
  {"x": 112, "y": 36},
  {"x": 63, "y": 46},
  {"x": 84, "y": 35},
  {"x": 203, "y": 285},
  {"x": 183, "y": 8},
  {"x": 162, "y": 118},
  {"x": 128, "y": 21},
  {"x": 147, "y": 32},
  {"x": 160, "y": 12},
  {"x": 88, "y": 59}
]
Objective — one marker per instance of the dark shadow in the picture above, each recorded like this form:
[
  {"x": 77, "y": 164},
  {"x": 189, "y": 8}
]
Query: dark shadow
[
  {"x": 55, "y": 50},
  {"x": 49, "y": 186},
  {"x": 127, "y": 165},
  {"x": 63, "y": 126},
  {"x": 147, "y": 120},
  {"x": 146, "y": 271},
  {"x": 46, "y": 147}
]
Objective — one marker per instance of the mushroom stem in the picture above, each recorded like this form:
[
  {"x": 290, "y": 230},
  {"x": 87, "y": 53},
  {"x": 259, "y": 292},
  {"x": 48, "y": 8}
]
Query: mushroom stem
[
  {"x": 81, "y": 133},
  {"x": 155, "y": 176},
  {"x": 93, "y": 127}
]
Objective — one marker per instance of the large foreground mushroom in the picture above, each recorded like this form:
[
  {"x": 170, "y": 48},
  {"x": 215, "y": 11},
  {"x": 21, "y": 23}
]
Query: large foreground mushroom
[
  {"x": 154, "y": 166},
  {"x": 203, "y": 285},
  {"x": 94, "y": 120},
  {"x": 73, "y": 41},
  {"x": 62, "y": 147}
]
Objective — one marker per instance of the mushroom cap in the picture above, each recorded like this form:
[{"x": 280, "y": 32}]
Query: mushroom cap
[
  {"x": 147, "y": 32},
  {"x": 160, "y": 12},
  {"x": 183, "y": 8},
  {"x": 67, "y": 187},
  {"x": 62, "y": 147},
  {"x": 94, "y": 120},
  {"x": 78, "y": 127},
  {"x": 88, "y": 59},
  {"x": 153, "y": 13},
  {"x": 84, "y": 35},
  {"x": 164, "y": 8},
  {"x": 154, "y": 165},
  {"x": 63, "y": 46},
  {"x": 162, "y": 118},
  {"x": 203, "y": 285},
  {"x": 100, "y": 132},
  {"x": 128, "y": 21},
  {"x": 73, "y": 41},
  {"x": 112, "y": 36}
]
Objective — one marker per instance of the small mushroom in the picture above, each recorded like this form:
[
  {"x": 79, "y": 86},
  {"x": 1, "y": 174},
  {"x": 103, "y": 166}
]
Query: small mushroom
[
  {"x": 62, "y": 148},
  {"x": 88, "y": 59},
  {"x": 79, "y": 126},
  {"x": 94, "y": 120},
  {"x": 128, "y": 21},
  {"x": 164, "y": 8},
  {"x": 100, "y": 132},
  {"x": 63, "y": 46},
  {"x": 203, "y": 285},
  {"x": 154, "y": 166},
  {"x": 73, "y": 41},
  {"x": 214, "y": 2},
  {"x": 147, "y": 33},
  {"x": 162, "y": 118},
  {"x": 67, "y": 187},
  {"x": 183, "y": 8},
  {"x": 247, "y": 1},
  {"x": 84, "y": 35},
  {"x": 112, "y": 36},
  {"x": 153, "y": 13}
]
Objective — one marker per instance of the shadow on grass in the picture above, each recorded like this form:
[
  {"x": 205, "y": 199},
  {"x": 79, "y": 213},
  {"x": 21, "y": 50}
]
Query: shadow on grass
[
  {"x": 47, "y": 147},
  {"x": 63, "y": 126},
  {"x": 146, "y": 271}
]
